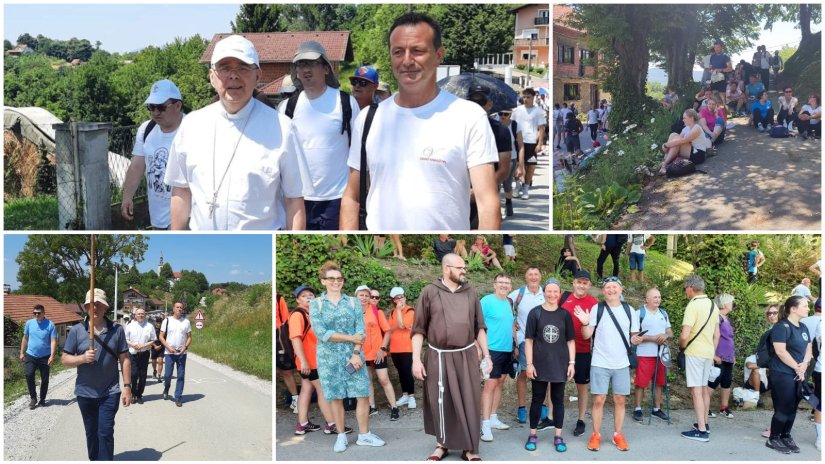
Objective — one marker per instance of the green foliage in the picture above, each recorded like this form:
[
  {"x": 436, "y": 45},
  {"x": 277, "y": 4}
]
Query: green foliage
[
  {"x": 475, "y": 263},
  {"x": 655, "y": 90},
  {"x": 298, "y": 259},
  {"x": 166, "y": 271},
  {"x": 12, "y": 331},
  {"x": 368, "y": 246},
  {"x": 38, "y": 213},
  {"x": 606, "y": 203},
  {"x": 258, "y": 17},
  {"x": 14, "y": 377},
  {"x": 7, "y": 45}
]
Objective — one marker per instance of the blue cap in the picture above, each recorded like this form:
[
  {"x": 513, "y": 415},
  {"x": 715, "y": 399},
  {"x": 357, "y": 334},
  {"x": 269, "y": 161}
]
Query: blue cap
[
  {"x": 301, "y": 289},
  {"x": 367, "y": 73}
]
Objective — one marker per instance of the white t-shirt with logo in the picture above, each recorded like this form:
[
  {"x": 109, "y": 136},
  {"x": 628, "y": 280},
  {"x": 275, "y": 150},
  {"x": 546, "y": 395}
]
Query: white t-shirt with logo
[
  {"x": 636, "y": 242},
  {"x": 176, "y": 330},
  {"x": 609, "y": 350},
  {"x": 419, "y": 162},
  {"x": 317, "y": 126},
  {"x": 655, "y": 324},
  {"x": 155, "y": 151},
  {"x": 528, "y": 301},
  {"x": 812, "y": 112},
  {"x": 530, "y": 119}
]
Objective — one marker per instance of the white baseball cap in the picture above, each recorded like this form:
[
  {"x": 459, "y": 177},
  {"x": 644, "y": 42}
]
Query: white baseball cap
[
  {"x": 235, "y": 46},
  {"x": 286, "y": 85},
  {"x": 362, "y": 287},
  {"x": 161, "y": 91},
  {"x": 396, "y": 291}
]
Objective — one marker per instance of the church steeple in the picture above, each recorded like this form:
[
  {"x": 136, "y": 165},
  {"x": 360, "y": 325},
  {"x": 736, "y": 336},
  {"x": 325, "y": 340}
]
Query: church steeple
[{"x": 160, "y": 264}]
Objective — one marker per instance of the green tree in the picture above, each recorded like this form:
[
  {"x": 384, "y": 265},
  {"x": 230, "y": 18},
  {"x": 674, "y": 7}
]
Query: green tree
[
  {"x": 471, "y": 31},
  {"x": 92, "y": 96},
  {"x": 318, "y": 17},
  {"x": 27, "y": 39},
  {"x": 80, "y": 49},
  {"x": 259, "y": 17},
  {"x": 7, "y": 45},
  {"x": 133, "y": 279},
  {"x": 166, "y": 272}
]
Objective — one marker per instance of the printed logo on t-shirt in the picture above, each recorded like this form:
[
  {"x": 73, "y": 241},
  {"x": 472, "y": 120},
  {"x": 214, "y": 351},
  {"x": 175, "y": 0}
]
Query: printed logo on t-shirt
[
  {"x": 550, "y": 334},
  {"x": 157, "y": 168},
  {"x": 805, "y": 336},
  {"x": 428, "y": 154}
]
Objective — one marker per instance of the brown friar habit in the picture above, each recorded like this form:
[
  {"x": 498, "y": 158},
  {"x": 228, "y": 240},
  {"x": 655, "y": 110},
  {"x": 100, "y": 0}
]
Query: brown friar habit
[{"x": 451, "y": 321}]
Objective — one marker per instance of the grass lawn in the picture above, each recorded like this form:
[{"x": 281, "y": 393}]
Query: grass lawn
[
  {"x": 38, "y": 213},
  {"x": 14, "y": 378}
]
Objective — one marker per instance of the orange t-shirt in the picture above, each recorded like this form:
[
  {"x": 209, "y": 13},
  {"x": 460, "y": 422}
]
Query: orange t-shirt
[
  {"x": 309, "y": 341},
  {"x": 281, "y": 312},
  {"x": 400, "y": 339},
  {"x": 374, "y": 329}
]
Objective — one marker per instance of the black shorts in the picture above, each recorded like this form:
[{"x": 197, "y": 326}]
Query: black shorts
[
  {"x": 381, "y": 365},
  {"x": 313, "y": 375},
  {"x": 817, "y": 377},
  {"x": 725, "y": 378},
  {"x": 530, "y": 154},
  {"x": 582, "y": 366},
  {"x": 502, "y": 363},
  {"x": 697, "y": 156},
  {"x": 156, "y": 354}
]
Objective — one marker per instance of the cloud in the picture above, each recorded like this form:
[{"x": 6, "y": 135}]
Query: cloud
[{"x": 234, "y": 272}]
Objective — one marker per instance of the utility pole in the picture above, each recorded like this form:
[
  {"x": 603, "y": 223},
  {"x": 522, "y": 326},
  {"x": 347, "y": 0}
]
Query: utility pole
[{"x": 529, "y": 59}]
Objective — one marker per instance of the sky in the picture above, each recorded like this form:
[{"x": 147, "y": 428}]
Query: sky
[{"x": 221, "y": 258}]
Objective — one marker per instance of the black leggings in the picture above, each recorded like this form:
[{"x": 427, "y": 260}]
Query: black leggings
[
  {"x": 766, "y": 121},
  {"x": 403, "y": 364},
  {"x": 594, "y": 128},
  {"x": 785, "y": 401},
  {"x": 614, "y": 253},
  {"x": 556, "y": 398}
]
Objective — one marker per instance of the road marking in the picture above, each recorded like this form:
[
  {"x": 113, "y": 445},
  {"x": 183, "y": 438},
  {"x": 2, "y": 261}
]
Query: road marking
[{"x": 207, "y": 380}]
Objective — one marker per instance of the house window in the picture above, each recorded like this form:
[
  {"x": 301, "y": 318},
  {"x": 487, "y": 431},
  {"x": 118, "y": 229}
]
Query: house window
[
  {"x": 525, "y": 56},
  {"x": 571, "y": 92},
  {"x": 587, "y": 56},
  {"x": 564, "y": 54}
]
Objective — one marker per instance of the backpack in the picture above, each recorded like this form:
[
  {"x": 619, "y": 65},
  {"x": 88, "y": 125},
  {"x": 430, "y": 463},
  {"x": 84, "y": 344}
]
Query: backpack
[
  {"x": 764, "y": 350},
  {"x": 775, "y": 60},
  {"x": 363, "y": 181},
  {"x": 286, "y": 354},
  {"x": 681, "y": 167},
  {"x": 346, "y": 109},
  {"x": 149, "y": 128},
  {"x": 778, "y": 131},
  {"x": 644, "y": 310}
]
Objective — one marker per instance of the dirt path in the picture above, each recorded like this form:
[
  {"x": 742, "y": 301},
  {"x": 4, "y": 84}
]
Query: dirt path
[{"x": 753, "y": 183}]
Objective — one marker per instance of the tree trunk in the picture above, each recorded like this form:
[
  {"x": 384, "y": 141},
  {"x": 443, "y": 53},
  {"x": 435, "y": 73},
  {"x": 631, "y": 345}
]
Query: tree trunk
[
  {"x": 570, "y": 242},
  {"x": 805, "y": 20},
  {"x": 633, "y": 56}
]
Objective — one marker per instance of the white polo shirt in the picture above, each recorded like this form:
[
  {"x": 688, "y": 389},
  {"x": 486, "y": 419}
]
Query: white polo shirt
[
  {"x": 140, "y": 334},
  {"x": 267, "y": 160},
  {"x": 176, "y": 330}
]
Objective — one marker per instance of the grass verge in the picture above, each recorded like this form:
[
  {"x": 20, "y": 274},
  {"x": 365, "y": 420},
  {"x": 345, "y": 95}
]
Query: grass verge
[
  {"x": 14, "y": 378},
  {"x": 38, "y": 213}
]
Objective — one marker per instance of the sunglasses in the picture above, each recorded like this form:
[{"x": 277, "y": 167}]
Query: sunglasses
[
  {"x": 789, "y": 91},
  {"x": 374, "y": 297},
  {"x": 162, "y": 107},
  {"x": 37, "y": 313},
  {"x": 359, "y": 83},
  {"x": 504, "y": 113}
]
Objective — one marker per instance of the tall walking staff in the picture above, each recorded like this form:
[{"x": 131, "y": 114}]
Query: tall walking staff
[{"x": 92, "y": 293}]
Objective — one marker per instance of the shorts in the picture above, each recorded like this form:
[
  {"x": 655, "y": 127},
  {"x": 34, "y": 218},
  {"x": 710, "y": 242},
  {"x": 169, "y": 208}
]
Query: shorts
[
  {"x": 697, "y": 371},
  {"x": 637, "y": 261},
  {"x": 697, "y": 156},
  {"x": 601, "y": 379},
  {"x": 381, "y": 365},
  {"x": 645, "y": 371},
  {"x": 502, "y": 363},
  {"x": 530, "y": 154},
  {"x": 582, "y": 376},
  {"x": 510, "y": 250},
  {"x": 725, "y": 378},
  {"x": 322, "y": 215},
  {"x": 817, "y": 378},
  {"x": 156, "y": 354},
  {"x": 522, "y": 358},
  {"x": 313, "y": 375}
]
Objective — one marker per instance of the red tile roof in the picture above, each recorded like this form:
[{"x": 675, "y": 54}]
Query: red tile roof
[
  {"x": 176, "y": 275},
  {"x": 279, "y": 47},
  {"x": 19, "y": 308},
  {"x": 133, "y": 289},
  {"x": 274, "y": 87}
]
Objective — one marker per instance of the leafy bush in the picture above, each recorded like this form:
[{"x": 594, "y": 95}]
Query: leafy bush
[{"x": 368, "y": 246}]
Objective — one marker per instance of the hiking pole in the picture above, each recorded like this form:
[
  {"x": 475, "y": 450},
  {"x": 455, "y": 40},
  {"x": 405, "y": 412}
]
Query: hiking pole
[
  {"x": 653, "y": 387},
  {"x": 92, "y": 293}
]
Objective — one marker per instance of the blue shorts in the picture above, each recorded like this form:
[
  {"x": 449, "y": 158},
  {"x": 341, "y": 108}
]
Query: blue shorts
[
  {"x": 322, "y": 215},
  {"x": 637, "y": 261}
]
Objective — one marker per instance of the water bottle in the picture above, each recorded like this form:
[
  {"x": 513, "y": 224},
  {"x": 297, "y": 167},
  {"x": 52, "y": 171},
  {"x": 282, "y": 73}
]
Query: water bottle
[{"x": 484, "y": 368}]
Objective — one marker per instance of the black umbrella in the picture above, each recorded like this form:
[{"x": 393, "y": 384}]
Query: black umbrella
[{"x": 504, "y": 97}]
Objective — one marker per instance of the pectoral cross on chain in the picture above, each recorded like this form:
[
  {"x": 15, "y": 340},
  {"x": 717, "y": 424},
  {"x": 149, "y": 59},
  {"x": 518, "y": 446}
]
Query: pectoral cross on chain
[{"x": 212, "y": 205}]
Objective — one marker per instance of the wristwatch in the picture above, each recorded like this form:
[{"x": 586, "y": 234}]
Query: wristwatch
[
  {"x": 384, "y": 349},
  {"x": 127, "y": 385},
  {"x": 356, "y": 352}
]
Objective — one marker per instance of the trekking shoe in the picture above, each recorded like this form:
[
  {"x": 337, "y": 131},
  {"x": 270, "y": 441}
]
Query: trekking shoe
[
  {"x": 497, "y": 424},
  {"x": 620, "y": 442},
  {"x": 329, "y": 429},
  {"x": 637, "y": 415},
  {"x": 661, "y": 415},
  {"x": 486, "y": 432},
  {"x": 531, "y": 443},
  {"x": 790, "y": 444},
  {"x": 558, "y": 442},
  {"x": 403, "y": 401},
  {"x": 369, "y": 439},
  {"x": 521, "y": 415},
  {"x": 778, "y": 445},
  {"x": 411, "y": 403},
  {"x": 726, "y": 413},
  {"x": 696, "y": 427},
  {"x": 696, "y": 435},
  {"x": 595, "y": 442},
  {"x": 309, "y": 427},
  {"x": 340, "y": 443},
  {"x": 178, "y": 403},
  {"x": 545, "y": 424},
  {"x": 711, "y": 414},
  {"x": 41, "y": 403},
  {"x": 32, "y": 403},
  {"x": 139, "y": 400},
  {"x": 579, "y": 430},
  {"x": 373, "y": 410},
  {"x": 394, "y": 414}
]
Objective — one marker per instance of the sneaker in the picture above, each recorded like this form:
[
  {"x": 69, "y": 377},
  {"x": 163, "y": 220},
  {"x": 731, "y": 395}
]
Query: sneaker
[
  {"x": 778, "y": 445},
  {"x": 373, "y": 410},
  {"x": 818, "y": 443},
  {"x": 620, "y": 442},
  {"x": 394, "y": 414},
  {"x": 403, "y": 401},
  {"x": 497, "y": 424},
  {"x": 178, "y": 403},
  {"x": 790, "y": 444},
  {"x": 711, "y": 414},
  {"x": 369, "y": 439},
  {"x": 531, "y": 443},
  {"x": 726, "y": 413},
  {"x": 558, "y": 442},
  {"x": 760, "y": 128},
  {"x": 43, "y": 403},
  {"x": 309, "y": 427},
  {"x": 579, "y": 430},
  {"x": 525, "y": 192},
  {"x": 696, "y": 435},
  {"x": 138, "y": 401},
  {"x": 486, "y": 432},
  {"x": 637, "y": 415},
  {"x": 766, "y": 433},
  {"x": 521, "y": 415},
  {"x": 329, "y": 429},
  {"x": 32, "y": 403},
  {"x": 595, "y": 442},
  {"x": 696, "y": 427},
  {"x": 545, "y": 424},
  {"x": 165, "y": 394},
  {"x": 411, "y": 403},
  {"x": 661, "y": 415},
  {"x": 340, "y": 443},
  {"x": 804, "y": 136}
]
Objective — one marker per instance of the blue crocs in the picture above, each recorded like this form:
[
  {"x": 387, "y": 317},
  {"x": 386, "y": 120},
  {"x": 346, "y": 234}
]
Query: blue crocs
[
  {"x": 531, "y": 443},
  {"x": 558, "y": 442}
]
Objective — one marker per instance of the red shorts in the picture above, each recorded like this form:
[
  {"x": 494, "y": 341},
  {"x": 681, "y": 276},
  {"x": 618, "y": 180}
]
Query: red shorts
[{"x": 644, "y": 372}]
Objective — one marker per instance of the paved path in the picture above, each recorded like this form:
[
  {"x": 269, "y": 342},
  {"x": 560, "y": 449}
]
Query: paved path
[
  {"x": 731, "y": 440},
  {"x": 534, "y": 213},
  {"x": 226, "y": 416}
]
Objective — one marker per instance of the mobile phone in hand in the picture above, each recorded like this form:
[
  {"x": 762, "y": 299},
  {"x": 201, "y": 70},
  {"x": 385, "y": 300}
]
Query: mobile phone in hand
[
  {"x": 642, "y": 333},
  {"x": 350, "y": 368}
]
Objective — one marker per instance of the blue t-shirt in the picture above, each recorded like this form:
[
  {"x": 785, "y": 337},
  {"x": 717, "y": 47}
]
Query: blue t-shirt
[
  {"x": 752, "y": 260},
  {"x": 719, "y": 61},
  {"x": 40, "y": 337},
  {"x": 763, "y": 109},
  {"x": 754, "y": 89},
  {"x": 498, "y": 315},
  {"x": 99, "y": 379},
  {"x": 507, "y": 239}
]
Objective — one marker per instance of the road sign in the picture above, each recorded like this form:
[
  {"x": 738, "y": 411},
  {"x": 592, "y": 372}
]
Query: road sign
[
  {"x": 198, "y": 324},
  {"x": 199, "y": 316}
]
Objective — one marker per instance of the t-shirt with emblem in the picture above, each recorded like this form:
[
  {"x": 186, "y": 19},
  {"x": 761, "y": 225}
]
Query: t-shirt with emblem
[
  {"x": 796, "y": 340},
  {"x": 550, "y": 332},
  {"x": 155, "y": 151}
]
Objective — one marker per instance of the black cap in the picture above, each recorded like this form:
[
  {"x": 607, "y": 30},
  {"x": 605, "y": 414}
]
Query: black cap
[
  {"x": 582, "y": 274},
  {"x": 478, "y": 93}
]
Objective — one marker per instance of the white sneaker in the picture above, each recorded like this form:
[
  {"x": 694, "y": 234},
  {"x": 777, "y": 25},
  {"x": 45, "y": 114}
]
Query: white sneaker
[
  {"x": 486, "y": 432},
  {"x": 411, "y": 403},
  {"x": 525, "y": 192},
  {"x": 760, "y": 128},
  {"x": 340, "y": 443},
  {"x": 294, "y": 405},
  {"x": 497, "y": 424},
  {"x": 818, "y": 443},
  {"x": 369, "y": 439},
  {"x": 404, "y": 400}
]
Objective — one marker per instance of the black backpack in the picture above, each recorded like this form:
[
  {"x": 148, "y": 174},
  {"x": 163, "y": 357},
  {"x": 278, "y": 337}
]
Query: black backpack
[
  {"x": 149, "y": 128},
  {"x": 346, "y": 109},
  {"x": 764, "y": 350},
  {"x": 778, "y": 131},
  {"x": 286, "y": 354}
]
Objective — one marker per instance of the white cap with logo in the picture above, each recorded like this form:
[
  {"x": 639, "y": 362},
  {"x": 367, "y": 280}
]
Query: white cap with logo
[
  {"x": 161, "y": 91},
  {"x": 235, "y": 46}
]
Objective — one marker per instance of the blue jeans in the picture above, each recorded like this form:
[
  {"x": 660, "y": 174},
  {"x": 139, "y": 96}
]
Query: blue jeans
[
  {"x": 99, "y": 422},
  {"x": 637, "y": 261},
  {"x": 170, "y": 361}
]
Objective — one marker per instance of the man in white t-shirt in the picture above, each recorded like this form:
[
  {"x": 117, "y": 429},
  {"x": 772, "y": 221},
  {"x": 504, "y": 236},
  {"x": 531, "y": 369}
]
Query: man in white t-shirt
[
  {"x": 230, "y": 159},
  {"x": 804, "y": 290},
  {"x": 525, "y": 299},
  {"x": 140, "y": 336},
  {"x": 425, "y": 146},
  {"x": 321, "y": 131},
  {"x": 533, "y": 123},
  {"x": 656, "y": 322},
  {"x": 637, "y": 245},
  {"x": 610, "y": 364},
  {"x": 175, "y": 335},
  {"x": 151, "y": 152}
]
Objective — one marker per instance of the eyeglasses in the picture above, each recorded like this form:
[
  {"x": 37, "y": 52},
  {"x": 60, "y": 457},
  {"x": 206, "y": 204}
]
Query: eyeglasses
[
  {"x": 359, "y": 82},
  {"x": 225, "y": 71},
  {"x": 307, "y": 63},
  {"x": 772, "y": 313},
  {"x": 375, "y": 297},
  {"x": 162, "y": 107},
  {"x": 335, "y": 279},
  {"x": 460, "y": 268},
  {"x": 789, "y": 91}
]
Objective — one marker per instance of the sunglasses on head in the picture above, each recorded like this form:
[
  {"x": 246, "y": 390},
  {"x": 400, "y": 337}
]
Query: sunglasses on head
[{"x": 162, "y": 107}]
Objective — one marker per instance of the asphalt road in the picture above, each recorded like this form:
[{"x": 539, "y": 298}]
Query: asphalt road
[
  {"x": 226, "y": 416},
  {"x": 533, "y": 213}
]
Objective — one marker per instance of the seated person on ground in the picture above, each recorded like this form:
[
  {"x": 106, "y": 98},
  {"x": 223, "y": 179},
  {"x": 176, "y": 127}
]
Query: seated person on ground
[
  {"x": 752, "y": 91},
  {"x": 481, "y": 248},
  {"x": 713, "y": 120},
  {"x": 756, "y": 378},
  {"x": 670, "y": 98},
  {"x": 735, "y": 98},
  {"x": 701, "y": 97},
  {"x": 568, "y": 262},
  {"x": 690, "y": 144},
  {"x": 762, "y": 112},
  {"x": 787, "y": 108},
  {"x": 809, "y": 121}
]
